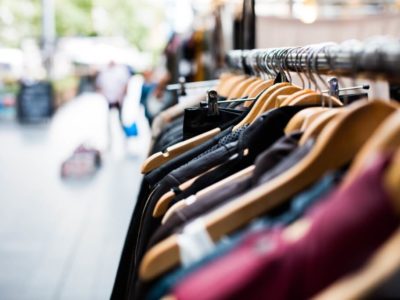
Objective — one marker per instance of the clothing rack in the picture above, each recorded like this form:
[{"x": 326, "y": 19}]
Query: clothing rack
[{"x": 374, "y": 58}]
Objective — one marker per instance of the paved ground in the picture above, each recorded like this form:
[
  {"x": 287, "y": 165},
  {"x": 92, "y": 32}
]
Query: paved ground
[{"x": 62, "y": 240}]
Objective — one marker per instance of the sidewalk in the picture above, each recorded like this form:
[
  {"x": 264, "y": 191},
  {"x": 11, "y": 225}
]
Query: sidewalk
[{"x": 62, "y": 240}]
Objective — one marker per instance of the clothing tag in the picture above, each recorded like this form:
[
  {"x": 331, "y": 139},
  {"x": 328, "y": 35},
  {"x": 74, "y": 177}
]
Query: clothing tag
[
  {"x": 379, "y": 90},
  {"x": 194, "y": 242},
  {"x": 190, "y": 200},
  {"x": 264, "y": 245}
]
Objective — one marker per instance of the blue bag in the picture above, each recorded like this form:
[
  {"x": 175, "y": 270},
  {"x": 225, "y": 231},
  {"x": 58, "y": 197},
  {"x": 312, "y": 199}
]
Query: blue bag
[{"x": 131, "y": 130}]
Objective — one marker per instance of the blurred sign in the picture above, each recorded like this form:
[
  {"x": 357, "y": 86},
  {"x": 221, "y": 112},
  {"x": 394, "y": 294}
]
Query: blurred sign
[{"x": 35, "y": 101}]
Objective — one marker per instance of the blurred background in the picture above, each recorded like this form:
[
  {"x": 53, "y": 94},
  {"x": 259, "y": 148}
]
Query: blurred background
[{"x": 69, "y": 165}]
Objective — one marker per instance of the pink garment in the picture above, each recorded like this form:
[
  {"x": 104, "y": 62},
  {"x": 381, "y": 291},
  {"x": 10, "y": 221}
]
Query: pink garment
[{"x": 346, "y": 229}]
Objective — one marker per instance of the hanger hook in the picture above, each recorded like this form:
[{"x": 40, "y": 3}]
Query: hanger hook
[
  {"x": 254, "y": 63},
  {"x": 258, "y": 64},
  {"x": 284, "y": 65},
  {"x": 314, "y": 71},
  {"x": 278, "y": 57},
  {"x": 275, "y": 64},
  {"x": 309, "y": 63},
  {"x": 246, "y": 66},
  {"x": 315, "y": 62},
  {"x": 267, "y": 63},
  {"x": 251, "y": 62},
  {"x": 306, "y": 66},
  {"x": 297, "y": 64},
  {"x": 328, "y": 52},
  {"x": 236, "y": 60},
  {"x": 247, "y": 60},
  {"x": 287, "y": 65},
  {"x": 317, "y": 72}
]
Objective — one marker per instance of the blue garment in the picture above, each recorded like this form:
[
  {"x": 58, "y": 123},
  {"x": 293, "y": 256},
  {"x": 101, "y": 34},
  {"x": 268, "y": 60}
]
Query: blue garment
[
  {"x": 299, "y": 205},
  {"x": 147, "y": 88}
]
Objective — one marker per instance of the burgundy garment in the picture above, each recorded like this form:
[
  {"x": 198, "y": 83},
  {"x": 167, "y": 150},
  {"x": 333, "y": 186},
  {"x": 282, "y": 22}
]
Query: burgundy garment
[{"x": 345, "y": 230}]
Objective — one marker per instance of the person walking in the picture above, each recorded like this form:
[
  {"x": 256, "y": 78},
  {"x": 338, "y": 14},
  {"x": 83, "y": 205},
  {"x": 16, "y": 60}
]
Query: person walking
[{"x": 112, "y": 83}]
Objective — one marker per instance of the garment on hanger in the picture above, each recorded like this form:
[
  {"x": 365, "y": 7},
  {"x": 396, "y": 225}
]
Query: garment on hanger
[
  {"x": 271, "y": 263},
  {"x": 213, "y": 202},
  {"x": 149, "y": 182},
  {"x": 216, "y": 155},
  {"x": 271, "y": 221},
  {"x": 170, "y": 135},
  {"x": 253, "y": 137},
  {"x": 264, "y": 162},
  {"x": 259, "y": 137},
  {"x": 298, "y": 207}
]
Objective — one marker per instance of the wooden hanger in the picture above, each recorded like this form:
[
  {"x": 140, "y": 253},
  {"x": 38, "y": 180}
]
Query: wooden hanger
[
  {"x": 312, "y": 117},
  {"x": 385, "y": 139},
  {"x": 281, "y": 98},
  {"x": 163, "y": 203},
  {"x": 253, "y": 113},
  {"x": 297, "y": 121},
  {"x": 230, "y": 84},
  {"x": 168, "y": 297},
  {"x": 240, "y": 88},
  {"x": 335, "y": 146},
  {"x": 173, "y": 209},
  {"x": 293, "y": 96},
  {"x": 315, "y": 98},
  {"x": 210, "y": 189},
  {"x": 223, "y": 78},
  {"x": 392, "y": 180},
  {"x": 386, "y": 260},
  {"x": 272, "y": 102},
  {"x": 259, "y": 88},
  {"x": 251, "y": 87},
  {"x": 318, "y": 125},
  {"x": 159, "y": 158},
  {"x": 307, "y": 116}
]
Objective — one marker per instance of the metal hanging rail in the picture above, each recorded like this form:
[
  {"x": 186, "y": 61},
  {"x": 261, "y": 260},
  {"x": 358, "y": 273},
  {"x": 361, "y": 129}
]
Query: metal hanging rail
[{"x": 374, "y": 58}]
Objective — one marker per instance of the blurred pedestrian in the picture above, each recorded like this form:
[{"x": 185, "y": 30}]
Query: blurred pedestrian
[{"x": 112, "y": 83}]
